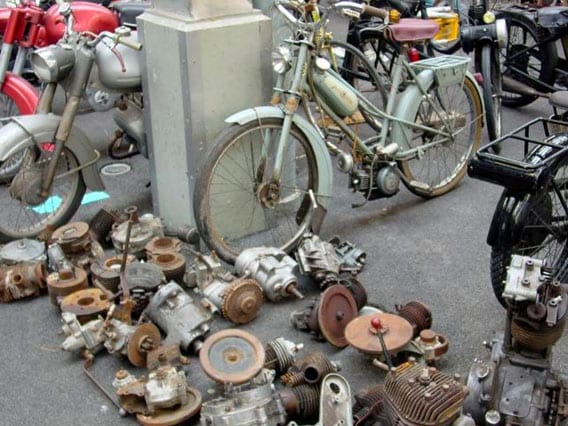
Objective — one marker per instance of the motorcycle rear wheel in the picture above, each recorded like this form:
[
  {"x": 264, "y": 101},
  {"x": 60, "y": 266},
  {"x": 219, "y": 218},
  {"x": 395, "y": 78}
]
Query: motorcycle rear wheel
[
  {"x": 235, "y": 208},
  {"x": 22, "y": 220}
]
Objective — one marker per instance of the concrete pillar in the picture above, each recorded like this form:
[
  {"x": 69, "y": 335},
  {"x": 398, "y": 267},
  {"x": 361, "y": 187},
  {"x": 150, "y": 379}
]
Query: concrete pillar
[{"x": 202, "y": 61}]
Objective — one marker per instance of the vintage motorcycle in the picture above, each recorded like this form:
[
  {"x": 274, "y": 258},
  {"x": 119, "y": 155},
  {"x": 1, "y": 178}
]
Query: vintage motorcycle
[{"x": 58, "y": 162}]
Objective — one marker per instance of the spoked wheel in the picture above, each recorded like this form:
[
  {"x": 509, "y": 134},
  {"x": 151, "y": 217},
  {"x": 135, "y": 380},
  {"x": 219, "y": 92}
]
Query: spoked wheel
[
  {"x": 541, "y": 221},
  {"x": 24, "y": 213},
  {"x": 530, "y": 66},
  {"x": 437, "y": 169},
  {"x": 238, "y": 205},
  {"x": 8, "y": 168},
  {"x": 487, "y": 62}
]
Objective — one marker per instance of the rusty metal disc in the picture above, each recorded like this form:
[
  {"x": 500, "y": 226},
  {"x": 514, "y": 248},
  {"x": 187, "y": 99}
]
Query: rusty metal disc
[
  {"x": 72, "y": 237},
  {"x": 231, "y": 356},
  {"x": 107, "y": 272},
  {"x": 86, "y": 304},
  {"x": 63, "y": 283},
  {"x": 242, "y": 301},
  {"x": 337, "y": 308},
  {"x": 145, "y": 335},
  {"x": 169, "y": 417},
  {"x": 171, "y": 263},
  {"x": 360, "y": 335},
  {"x": 162, "y": 245}
]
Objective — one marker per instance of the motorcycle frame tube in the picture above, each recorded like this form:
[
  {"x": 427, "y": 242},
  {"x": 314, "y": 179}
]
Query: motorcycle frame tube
[
  {"x": 19, "y": 90},
  {"x": 25, "y": 131}
]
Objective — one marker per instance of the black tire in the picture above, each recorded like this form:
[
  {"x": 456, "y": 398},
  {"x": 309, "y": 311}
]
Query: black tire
[
  {"x": 21, "y": 220},
  {"x": 443, "y": 166},
  {"x": 540, "y": 220},
  {"x": 232, "y": 201},
  {"x": 539, "y": 63},
  {"x": 487, "y": 63}
]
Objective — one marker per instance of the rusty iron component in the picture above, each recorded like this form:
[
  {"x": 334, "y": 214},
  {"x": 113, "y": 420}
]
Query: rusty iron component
[
  {"x": 122, "y": 378},
  {"x": 106, "y": 272},
  {"x": 368, "y": 406},
  {"x": 417, "y": 314},
  {"x": 65, "y": 282},
  {"x": 175, "y": 416},
  {"x": 145, "y": 338},
  {"x": 328, "y": 317},
  {"x": 142, "y": 232},
  {"x": 301, "y": 401},
  {"x": 165, "y": 353},
  {"x": 398, "y": 333},
  {"x": 57, "y": 259},
  {"x": 536, "y": 339},
  {"x": 310, "y": 369},
  {"x": 21, "y": 281},
  {"x": 255, "y": 403},
  {"x": 88, "y": 337},
  {"x": 318, "y": 259},
  {"x": 172, "y": 264},
  {"x": 432, "y": 345},
  {"x": 187, "y": 234},
  {"x": 25, "y": 250},
  {"x": 352, "y": 258},
  {"x": 101, "y": 224},
  {"x": 280, "y": 354},
  {"x": 418, "y": 395},
  {"x": 162, "y": 245},
  {"x": 86, "y": 304},
  {"x": 356, "y": 288},
  {"x": 273, "y": 269},
  {"x": 142, "y": 281},
  {"x": 231, "y": 356},
  {"x": 203, "y": 269},
  {"x": 72, "y": 237},
  {"x": 183, "y": 320}
]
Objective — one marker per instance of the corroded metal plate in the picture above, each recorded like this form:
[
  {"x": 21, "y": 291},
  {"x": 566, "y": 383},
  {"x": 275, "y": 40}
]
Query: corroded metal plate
[{"x": 360, "y": 335}]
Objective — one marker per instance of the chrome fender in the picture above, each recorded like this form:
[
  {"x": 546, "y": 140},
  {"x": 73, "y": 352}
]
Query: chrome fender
[
  {"x": 24, "y": 131},
  {"x": 409, "y": 103},
  {"x": 323, "y": 162}
]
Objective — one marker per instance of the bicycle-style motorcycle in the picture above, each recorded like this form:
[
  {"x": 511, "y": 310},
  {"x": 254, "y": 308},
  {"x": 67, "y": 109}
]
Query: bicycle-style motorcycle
[{"x": 268, "y": 178}]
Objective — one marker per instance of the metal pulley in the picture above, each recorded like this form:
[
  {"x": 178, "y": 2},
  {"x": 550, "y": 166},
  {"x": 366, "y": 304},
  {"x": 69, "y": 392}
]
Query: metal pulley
[
  {"x": 232, "y": 356},
  {"x": 396, "y": 331}
]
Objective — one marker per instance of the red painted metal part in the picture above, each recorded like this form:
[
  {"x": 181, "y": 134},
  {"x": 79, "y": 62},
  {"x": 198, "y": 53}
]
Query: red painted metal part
[{"x": 24, "y": 95}]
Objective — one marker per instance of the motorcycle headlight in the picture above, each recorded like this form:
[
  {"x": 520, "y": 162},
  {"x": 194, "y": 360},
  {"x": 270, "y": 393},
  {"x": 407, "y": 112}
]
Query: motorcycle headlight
[
  {"x": 53, "y": 63},
  {"x": 281, "y": 60},
  {"x": 488, "y": 17}
]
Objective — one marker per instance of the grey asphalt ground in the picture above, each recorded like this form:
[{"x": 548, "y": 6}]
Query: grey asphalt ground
[{"x": 432, "y": 251}]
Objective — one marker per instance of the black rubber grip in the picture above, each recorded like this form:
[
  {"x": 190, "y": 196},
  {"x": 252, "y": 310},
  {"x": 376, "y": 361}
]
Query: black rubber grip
[
  {"x": 402, "y": 7},
  {"x": 375, "y": 11}
]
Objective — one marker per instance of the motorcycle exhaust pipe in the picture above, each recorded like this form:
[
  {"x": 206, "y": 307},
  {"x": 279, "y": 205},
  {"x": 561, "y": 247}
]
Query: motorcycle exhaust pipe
[{"x": 515, "y": 86}]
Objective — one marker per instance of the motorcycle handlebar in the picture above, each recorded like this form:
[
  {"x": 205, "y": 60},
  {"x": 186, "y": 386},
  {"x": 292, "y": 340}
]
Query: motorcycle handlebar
[
  {"x": 375, "y": 11},
  {"x": 129, "y": 43}
]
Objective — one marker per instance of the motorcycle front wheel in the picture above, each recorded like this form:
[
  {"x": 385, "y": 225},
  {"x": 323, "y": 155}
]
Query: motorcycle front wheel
[
  {"x": 542, "y": 223},
  {"x": 22, "y": 218},
  {"x": 8, "y": 168},
  {"x": 239, "y": 203}
]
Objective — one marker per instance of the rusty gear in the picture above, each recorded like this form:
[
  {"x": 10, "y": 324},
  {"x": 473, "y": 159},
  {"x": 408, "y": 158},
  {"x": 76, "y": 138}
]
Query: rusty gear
[
  {"x": 397, "y": 333},
  {"x": 231, "y": 356},
  {"x": 172, "y": 264},
  {"x": 166, "y": 417},
  {"x": 242, "y": 301},
  {"x": 63, "y": 283},
  {"x": 86, "y": 304},
  {"x": 145, "y": 339}
]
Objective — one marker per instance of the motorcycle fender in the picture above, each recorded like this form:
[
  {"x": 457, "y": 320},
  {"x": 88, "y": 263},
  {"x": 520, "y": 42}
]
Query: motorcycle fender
[
  {"x": 23, "y": 131},
  {"x": 325, "y": 172},
  {"x": 507, "y": 223},
  {"x": 24, "y": 95},
  {"x": 409, "y": 103}
]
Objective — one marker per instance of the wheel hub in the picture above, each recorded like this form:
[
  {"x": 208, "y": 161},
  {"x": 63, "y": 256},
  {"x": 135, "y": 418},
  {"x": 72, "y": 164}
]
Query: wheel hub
[
  {"x": 26, "y": 186},
  {"x": 268, "y": 194}
]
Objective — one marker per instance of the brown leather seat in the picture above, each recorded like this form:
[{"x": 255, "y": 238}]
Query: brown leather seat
[{"x": 412, "y": 29}]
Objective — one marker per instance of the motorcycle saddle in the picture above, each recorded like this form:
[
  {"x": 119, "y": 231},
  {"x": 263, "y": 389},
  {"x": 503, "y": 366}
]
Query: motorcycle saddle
[
  {"x": 128, "y": 11},
  {"x": 412, "y": 29},
  {"x": 553, "y": 17}
]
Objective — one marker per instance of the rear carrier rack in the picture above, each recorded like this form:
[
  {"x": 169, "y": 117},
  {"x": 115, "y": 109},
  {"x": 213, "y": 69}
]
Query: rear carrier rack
[{"x": 526, "y": 166}]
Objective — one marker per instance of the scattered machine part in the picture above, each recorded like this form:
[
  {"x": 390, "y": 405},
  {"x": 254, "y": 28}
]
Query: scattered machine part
[
  {"x": 238, "y": 299},
  {"x": 203, "y": 269},
  {"x": 301, "y": 401},
  {"x": 353, "y": 259},
  {"x": 310, "y": 369},
  {"x": 328, "y": 317},
  {"x": 417, "y": 314},
  {"x": 21, "y": 281},
  {"x": 144, "y": 229},
  {"x": 414, "y": 395},
  {"x": 122, "y": 378},
  {"x": 252, "y": 404},
  {"x": 184, "y": 321},
  {"x": 142, "y": 281},
  {"x": 162, "y": 245},
  {"x": 432, "y": 345},
  {"x": 75, "y": 241},
  {"x": 272, "y": 268},
  {"x": 65, "y": 282},
  {"x": 88, "y": 337},
  {"x": 161, "y": 398},
  {"x": 86, "y": 304},
  {"x": 280, "y": 354},
  {"x": 57, "y": 259},
  {"x": 318, "y": 259},
  {"x": 106, "y": 273},
  {"x": 186, "y": 234},
  {"x": 232, "y": 356},
  {"x": 517, "y": 384},
  {"x": 356, "y": 288},
  {"x": 172, "y": 264},
  {"x": 101, "y": 224},
  {"x": 22, "y": 251}
]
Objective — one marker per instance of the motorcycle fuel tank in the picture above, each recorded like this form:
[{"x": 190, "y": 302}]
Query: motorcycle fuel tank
[{"x": 119, "y": 69}]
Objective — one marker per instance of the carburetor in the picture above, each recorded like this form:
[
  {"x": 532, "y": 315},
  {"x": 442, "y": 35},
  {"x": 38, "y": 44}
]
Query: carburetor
[
  {"x": 272, "y": 268},
  {"x": 143, "y": 230},
  {"x": 21, "y": 281},
  {"x": 517, "y": 385}
]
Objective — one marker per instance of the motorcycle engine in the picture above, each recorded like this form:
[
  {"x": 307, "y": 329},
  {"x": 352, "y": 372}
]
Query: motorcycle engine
[{"x": 378, "y": 181}]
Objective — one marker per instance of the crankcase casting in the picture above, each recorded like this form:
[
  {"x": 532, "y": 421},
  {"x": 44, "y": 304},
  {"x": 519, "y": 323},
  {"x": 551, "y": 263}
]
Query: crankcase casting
[
  {"x": 21, "y": 281},
  {"x": 76, "y": 243},
  {"x": 203, "y": 269},
  {"x": 185, "y": 321},
  {"x": 143, "y": 230},
  {"x": 25, "y": 250},
  {"x": 273, "y": 269},
  {"x": 318, "y": 259}
]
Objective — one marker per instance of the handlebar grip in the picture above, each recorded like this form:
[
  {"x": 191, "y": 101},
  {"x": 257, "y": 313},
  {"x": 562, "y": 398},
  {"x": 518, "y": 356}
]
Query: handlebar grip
[
  {"x": 129, "y": 43},
  {"x": 403, "y": 8},
  {"x": 375, "y": 11}
]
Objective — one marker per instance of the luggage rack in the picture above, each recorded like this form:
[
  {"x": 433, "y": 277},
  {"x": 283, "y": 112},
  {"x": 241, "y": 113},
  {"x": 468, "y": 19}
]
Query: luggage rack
[{"x": 528, "y": 173}]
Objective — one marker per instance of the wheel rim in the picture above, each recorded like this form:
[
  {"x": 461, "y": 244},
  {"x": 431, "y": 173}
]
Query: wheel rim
[
  {"x": 236, "y": 209},
  {"x": 21, "y": 220},
  {"x": 8, "y": 168}
]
